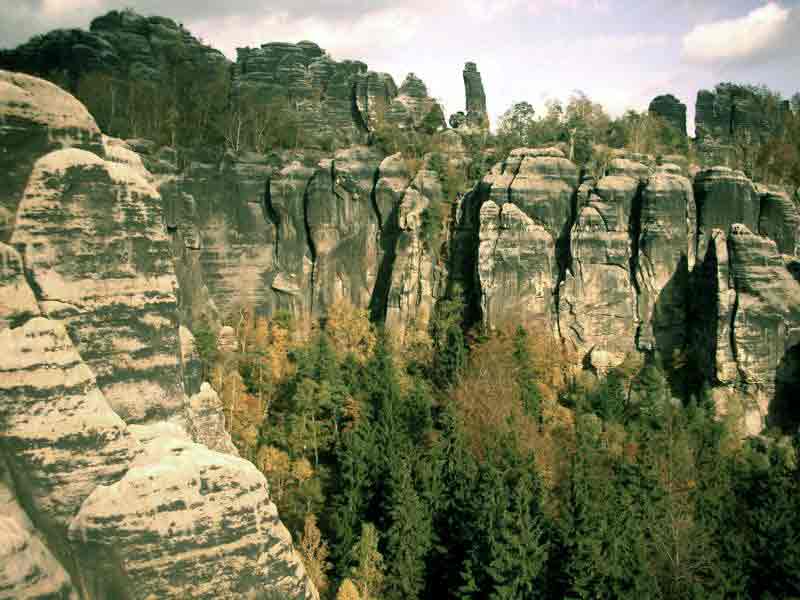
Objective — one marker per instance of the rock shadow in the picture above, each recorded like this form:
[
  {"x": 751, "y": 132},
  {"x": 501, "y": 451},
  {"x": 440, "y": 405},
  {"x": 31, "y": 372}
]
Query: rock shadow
[{"x": 784, "y": 410}]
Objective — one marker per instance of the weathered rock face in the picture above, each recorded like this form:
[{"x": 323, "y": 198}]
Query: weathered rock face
[
  {"x": 665, "y": 257},
  {"x": 751, "y": 326},
  {"x": 523, "y": 232},
  {"x": 121, "y": 43},
  {"x": 91, "y": 253},
  {"x": 37, "y": 117},
  {"x": 179, "y": 505},
  {"x": 28, "y": 568},
  {"x": 94, "y": 489},
  {"x": 17, "y": 302},
  {"x": 732, "y": 116},
  {"x": 56, "y": 429},
  {"x": 98, "y": 255},
  {"x": 597, "y": 300},
  {"x": 671, "y": 110},
  {"x": 723, "y": 197},
  {"x": 779, "y": 219},
  {"x": 417, "y": 278},
  {"x": 343, "y": 227}
]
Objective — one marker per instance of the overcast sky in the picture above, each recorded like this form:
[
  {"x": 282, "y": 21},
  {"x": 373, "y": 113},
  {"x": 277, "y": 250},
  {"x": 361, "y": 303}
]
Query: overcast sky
[{"x": 620, "y": 52}]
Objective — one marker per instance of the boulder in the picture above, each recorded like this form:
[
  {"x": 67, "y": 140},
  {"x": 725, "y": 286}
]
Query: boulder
[{"x": 186, "y": 521}]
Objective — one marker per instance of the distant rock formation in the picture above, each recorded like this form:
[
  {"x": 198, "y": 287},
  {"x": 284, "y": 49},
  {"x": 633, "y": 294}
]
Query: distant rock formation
[
  {"x": 121, "y": 43},
  {"x": 671, "y": 110},
  {"x": 475, "y": 115},
  {"x": 732, "y": 118},
  {"x": 323, "y": 93}
]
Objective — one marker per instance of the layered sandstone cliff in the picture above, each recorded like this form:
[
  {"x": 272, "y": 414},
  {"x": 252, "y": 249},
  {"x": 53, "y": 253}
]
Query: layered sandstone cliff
[{"x": 113, "y": 483}]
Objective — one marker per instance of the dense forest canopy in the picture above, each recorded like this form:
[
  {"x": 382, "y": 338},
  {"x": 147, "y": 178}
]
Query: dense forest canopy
[{"x": 486, "y": 467}]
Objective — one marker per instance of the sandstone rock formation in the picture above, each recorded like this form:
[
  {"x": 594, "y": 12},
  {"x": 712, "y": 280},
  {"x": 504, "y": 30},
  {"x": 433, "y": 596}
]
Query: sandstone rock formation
[
  {"x": 323, "y": 93},
  {"x": 37, "y": 117},
  {"x": 89, "y": 327},
  {"x": 475, "y": 116},
  {"x": 17, "y": 302},
  {"x": 749, "y": 326},
  {"x": 523, "y": 232},
  {"x": 122, "y": 43},
  {"x": 671, "y": 110},
  {"x": 732, "y": 116},
  {"x": 112, "y": 284},
  {"x": 181, "y": 504}
]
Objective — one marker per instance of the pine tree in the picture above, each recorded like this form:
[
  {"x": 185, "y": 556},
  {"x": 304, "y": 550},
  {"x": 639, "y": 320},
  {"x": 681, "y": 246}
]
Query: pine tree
[
  {"x": 449, "y": 349},
  {"x": 509, "y": 550},
  {"x": 530, "y": 395},
  {"x": 409, "y": 537}
]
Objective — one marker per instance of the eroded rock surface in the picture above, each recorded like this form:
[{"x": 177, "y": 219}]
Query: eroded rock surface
[
  {"x": 37, "y": 116},
  {"x": 187, "y": 521},
  {"x": 96, "y": 248},
  {"x": 56, "y": 428}
]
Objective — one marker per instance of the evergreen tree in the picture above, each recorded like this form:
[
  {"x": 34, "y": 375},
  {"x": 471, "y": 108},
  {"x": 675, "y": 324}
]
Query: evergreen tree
[
  {"x": 409, "y": 537},
  {"x": 449, "y": 349},
  {"x": 508, "y": 552},
  {"x": 530, "y": 395}
]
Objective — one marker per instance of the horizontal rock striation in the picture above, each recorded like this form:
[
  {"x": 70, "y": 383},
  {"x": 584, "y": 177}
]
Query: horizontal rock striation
[
  {"x": 89, "y": 327},
  {"x": 99, "y": 259},
  {"x": 38, "y": 116},
  {"x": 185, "y": 521}
]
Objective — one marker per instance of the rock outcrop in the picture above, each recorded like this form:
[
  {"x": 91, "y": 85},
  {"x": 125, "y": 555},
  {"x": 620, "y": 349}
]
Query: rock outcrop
[
  {"x": 89, "y": 327},
  {"x": 334, "y": 103},
  {"x": 185, "y": 521},
  {"x": 671, "y": 110},
  {"x": 120, "y": 43},
  {"x": 475, "y": 117},
  {"x": 523, "y": 233},
  {"x": 732, "y": 117},
  {"x": 749, "y": 326},
  {"x": 598, "y": 297},
  {"x": 38, "y": 116},
  {"x": 665, "y": 258},
  {"x": 99, "y": 259}
]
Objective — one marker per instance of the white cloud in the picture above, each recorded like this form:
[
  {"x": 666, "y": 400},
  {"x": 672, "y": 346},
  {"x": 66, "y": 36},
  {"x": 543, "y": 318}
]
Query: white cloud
[
  {"x": 760, "y": 32},
  {"x": 345, "y": 38}
]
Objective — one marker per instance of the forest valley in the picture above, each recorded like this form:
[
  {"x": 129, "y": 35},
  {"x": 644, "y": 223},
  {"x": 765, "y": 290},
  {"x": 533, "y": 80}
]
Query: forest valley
[{"x": 481, "y": 465}]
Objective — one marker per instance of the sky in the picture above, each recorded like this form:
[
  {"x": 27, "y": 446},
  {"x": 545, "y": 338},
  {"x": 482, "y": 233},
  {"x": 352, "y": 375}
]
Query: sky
[{"x": 621, "y": 53}]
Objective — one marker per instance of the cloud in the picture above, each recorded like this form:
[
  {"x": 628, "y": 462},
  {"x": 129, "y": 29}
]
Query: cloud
[
  {"x": 490, "y": 10},
  {"x": 382, "y": 29},
  {"x": 762, "y": 33}
]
